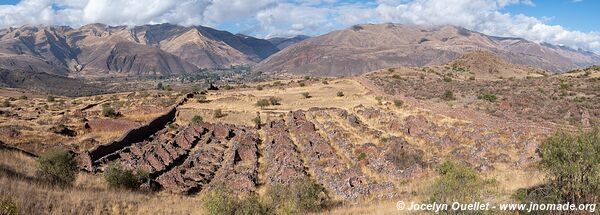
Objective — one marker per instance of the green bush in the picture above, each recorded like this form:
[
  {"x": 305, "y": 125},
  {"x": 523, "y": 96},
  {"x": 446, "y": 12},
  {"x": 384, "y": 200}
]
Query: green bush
[
  {"x": 448, "y": 95},
  {"x": 362, "y": 156},
  {"x": 306, "y": 95},
  {"x": 57, "y": 167},
  {"x": 160, "y": 86},
  {"x": 274, "y": 101},
  {"x": 302, "y": 84},
  {"x": 228, "y": 87},
  {"x": 487, "y": 97},
  {"x": 325, "y": 82},
  {"x": 220, "y": 201},
  {"x": 201, "y": 98},
  {"x": 262, "y": 103},
  {"x": 447, "y": 79},
  {"x": 458, "y": 183},
  {"x": 6, "y": 103},
  {"x": 340, "y": 94},
  {"x": 109, "y": 112},
  {"x": 197, "y": 119},
  {"x": 8, "y": 206},
  {"x": 51, "y": 99},
  {"x": 301, "y": 196},
  {"x": 218, "y": 113},
  {"x": 572, "y": 163},
  {"x": 119, "y": 177},
  {"x": 23, "y": 97},
  {"x": 398, "y": 103}
]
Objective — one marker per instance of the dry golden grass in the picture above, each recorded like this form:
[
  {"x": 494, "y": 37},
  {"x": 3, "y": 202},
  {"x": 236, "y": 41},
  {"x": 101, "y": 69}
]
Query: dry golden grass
[{"x": 90, "y": 194}]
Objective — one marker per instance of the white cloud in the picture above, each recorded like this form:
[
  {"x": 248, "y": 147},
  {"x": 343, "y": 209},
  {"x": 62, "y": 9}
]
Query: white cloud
[
  {"x": 485, "y": 16},
  {"x": 290, "y": 17}
]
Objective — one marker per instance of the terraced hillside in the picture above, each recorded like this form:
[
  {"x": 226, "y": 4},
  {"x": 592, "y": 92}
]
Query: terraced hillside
[{"x": 358, "y": 152}]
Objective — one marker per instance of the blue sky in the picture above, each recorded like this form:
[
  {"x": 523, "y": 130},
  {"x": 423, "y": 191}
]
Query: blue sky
[{"x": 565, "y": 22}]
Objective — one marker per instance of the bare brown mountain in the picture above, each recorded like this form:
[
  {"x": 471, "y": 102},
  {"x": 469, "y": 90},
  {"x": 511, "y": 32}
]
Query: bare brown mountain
[
  {"x": 100, "y": 50},
  {"x": 284, "y": 42},
  {"x": 364, "y": 48}
]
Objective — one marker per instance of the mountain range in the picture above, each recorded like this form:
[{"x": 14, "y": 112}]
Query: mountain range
[
  {"x": 98, "y": 50},
  {"x": 365, "y": 48}
]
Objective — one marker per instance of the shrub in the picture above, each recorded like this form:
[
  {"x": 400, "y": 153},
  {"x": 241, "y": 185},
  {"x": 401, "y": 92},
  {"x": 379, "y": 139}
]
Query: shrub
[
  {"x": 218, "y": 113},
  {"x": 396, "y": 76},
  {"x": 458, "y": 183},
  {"x": 257, "y": 122},
  {"x": 362, "y": 156},
  {"x": 201, "y": 98},
  {"x": 448, "y": 95},
  {"x": 197, "y": 119},
  {"x": 6, "y": 103},
  {"x": 398, "y": 103},
  {"x": 307, "y": 78},
  {"x": 306, "y": 95},
  {"x": 259, "y": 87},
  {"x": 488, "y": 97},
  {"x": 325, "y": 82},
  {"x": 50, "y": 99},
  {"x": 340, "y": 94},
  {"x": 109, "y": 112},
  {"x": 379, "y": 100},
  {"x": 168, "y": 88},
  {"x": 228, "y": 87},
  {"x": 8, "y": 206},
  {"x": 23, "y": 97},
  {"x": 160, "y": 86},
  {"x": 57, "y": 167},
  {"x": 274, "y": 101},
  {"x": 262, "y": 103},
  {"x": 119, "y": 177},
  {"x": 302, "y": 84},
  {"x": 447, "y": 79},
  {"x": 300, "y": 196},
  {"x": 572, "y": 162}
]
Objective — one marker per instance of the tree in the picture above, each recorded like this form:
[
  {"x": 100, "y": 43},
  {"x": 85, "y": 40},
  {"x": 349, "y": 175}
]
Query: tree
[
  {"x": 58, "y": 167},
  {"x": 340, "y": 94}
]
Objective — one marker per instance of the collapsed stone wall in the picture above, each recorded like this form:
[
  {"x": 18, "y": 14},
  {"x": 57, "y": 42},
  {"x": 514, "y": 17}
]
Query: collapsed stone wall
[{"x": 88, "y": 159}]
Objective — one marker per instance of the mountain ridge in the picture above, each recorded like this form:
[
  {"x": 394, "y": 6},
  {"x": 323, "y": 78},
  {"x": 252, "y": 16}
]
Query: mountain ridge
[{"x": 363, "y": 48}]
